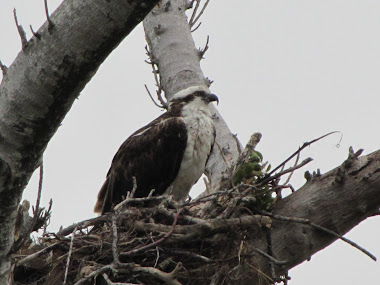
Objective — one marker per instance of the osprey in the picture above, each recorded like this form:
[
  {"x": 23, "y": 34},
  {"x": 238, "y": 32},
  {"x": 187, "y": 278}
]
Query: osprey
[{"x": 168, "y": 155}]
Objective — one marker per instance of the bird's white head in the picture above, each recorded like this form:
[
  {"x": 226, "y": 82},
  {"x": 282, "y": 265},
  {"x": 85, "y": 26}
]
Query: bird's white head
[{"x": 196, "y": 96}]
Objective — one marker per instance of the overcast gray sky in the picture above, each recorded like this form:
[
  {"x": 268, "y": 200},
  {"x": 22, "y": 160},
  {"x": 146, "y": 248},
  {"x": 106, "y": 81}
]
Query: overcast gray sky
[{"x": 292, "y": 70}]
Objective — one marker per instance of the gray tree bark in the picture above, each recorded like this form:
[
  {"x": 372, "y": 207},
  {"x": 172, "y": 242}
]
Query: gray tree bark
[
  {"x": 338, "y": 201},
  {"x": 41, "y": 85}
]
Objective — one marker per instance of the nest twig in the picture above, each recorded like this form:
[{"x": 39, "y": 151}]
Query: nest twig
[{"x": 163, "y": 243}]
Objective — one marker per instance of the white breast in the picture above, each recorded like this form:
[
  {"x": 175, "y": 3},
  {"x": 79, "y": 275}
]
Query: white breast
[{"x": 200, "y": 132}]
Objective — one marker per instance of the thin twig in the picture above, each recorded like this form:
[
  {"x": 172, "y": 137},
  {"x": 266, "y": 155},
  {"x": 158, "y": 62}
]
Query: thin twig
[
  {"x": 37, "y": 208},
  {"x": 168, "y": 278},
  {"x": 279, "y": 188},
  {"x": 190, "y": 254},
  {"x": 83, "y": 224},
  {"x": 200, "y": 13},
  {"x": 223, "y": 156},
  {"x": 177, "y": 268},
  {"x": 291, "y": 173},
  {"x": 308, "y": 222},
  {"x": 3, "y": 67},
  {"x": 21, "y": 32},
  {"x": 69, "y": 257},
  {"x": 156, "y": 78},
  {"x": 240, "y": 249},
  {"x": 50, "y": 23},
  {"x": 345, "y": 240},
  {"x": 109, "y": 282},
  {"x": 237, "y": 143},
  {"x": 207, "y": 185},
  {"x": 196, "y": 28},
  {"x": 105, "y": 276},
  {"x": 191, "y": 23},
  {"x": 290, "y": 169},
  {"x": 149, "y": 198},
  {"x": 94, "y": 274},
  {"x": 48, "y": 215},
  {"x": 210, "y": 197},
  {"x": 151, "y": 97},
  {"x": 36, "y": 214},
  {"x": 36, "y": 34},
  {"x": 150, "y": 195},
  {"x": 272, "y": 259},
  {"x": 131, "y": 194},
  {"x": 114, "y": 241},
  {"x": 37, "y": 254},
  {"x": 159, "y": 92},
  {"x": 203, "y": 51},
  {"x": 101, "y": 270},
  {"x": 306, "y": 144},
  {"x": 157, "y": 257},
  {"x": 261, "y": 273},
  {"x": 189, "y": 219}
]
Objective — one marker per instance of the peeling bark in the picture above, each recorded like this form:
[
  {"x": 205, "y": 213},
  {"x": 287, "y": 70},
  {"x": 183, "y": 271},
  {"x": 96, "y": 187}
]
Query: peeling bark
[{"x": 41, "y": 85}]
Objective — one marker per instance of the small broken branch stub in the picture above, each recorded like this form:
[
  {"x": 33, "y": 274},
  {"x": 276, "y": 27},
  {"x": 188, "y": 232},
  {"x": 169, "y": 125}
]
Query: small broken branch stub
[{"x": 21, "y": 32}]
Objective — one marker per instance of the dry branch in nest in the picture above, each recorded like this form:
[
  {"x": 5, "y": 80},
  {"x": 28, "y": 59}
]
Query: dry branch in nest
[
  {"x": 153, "y": 240},
  {"x": 149, "y": 243}
]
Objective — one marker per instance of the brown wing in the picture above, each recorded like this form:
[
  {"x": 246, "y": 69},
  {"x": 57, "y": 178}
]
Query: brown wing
[{"x": 152, "y": 154}]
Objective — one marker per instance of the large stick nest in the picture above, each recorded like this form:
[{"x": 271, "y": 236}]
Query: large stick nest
[{"x": 151, "y": 241}]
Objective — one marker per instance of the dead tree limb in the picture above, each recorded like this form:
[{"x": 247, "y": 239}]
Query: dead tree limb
[{"x": 36, "y": 94}]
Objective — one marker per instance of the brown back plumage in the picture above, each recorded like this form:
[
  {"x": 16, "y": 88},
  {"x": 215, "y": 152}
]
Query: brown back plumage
[{"x": 152, "y": 154}]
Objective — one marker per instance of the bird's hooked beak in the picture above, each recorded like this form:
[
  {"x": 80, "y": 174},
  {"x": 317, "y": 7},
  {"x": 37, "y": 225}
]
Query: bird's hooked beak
[{"x": 212, "y": 97}]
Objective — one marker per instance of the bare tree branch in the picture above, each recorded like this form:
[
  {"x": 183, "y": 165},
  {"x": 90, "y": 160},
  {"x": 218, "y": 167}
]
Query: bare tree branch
[
  {"x": 21, "y": 32},
  {"x": 69, "y": 257},
  {"x": 32, "y": 107},
  {"x": 50, "y": 22},
  {"x": 3, "y": 67}
]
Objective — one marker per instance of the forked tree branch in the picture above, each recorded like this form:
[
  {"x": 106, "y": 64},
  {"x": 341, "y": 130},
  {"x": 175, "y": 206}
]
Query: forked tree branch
[{"x": 41, "y": 85}]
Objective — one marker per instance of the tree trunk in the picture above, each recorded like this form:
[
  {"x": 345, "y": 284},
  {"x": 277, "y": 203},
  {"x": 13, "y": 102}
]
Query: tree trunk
[
  {"x": 40, "y": 86},
  {"x": 174, "y": 52},
  {"x": 338, "y": 200}
]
